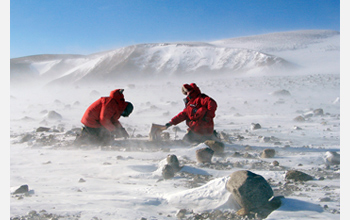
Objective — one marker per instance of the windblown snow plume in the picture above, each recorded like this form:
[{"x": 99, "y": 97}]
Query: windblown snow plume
[{"x": 232, "y": 56}]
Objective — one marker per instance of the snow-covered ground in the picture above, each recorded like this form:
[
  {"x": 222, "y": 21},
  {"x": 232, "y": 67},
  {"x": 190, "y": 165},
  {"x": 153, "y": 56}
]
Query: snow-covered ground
[{"x": 125, "y": 181}]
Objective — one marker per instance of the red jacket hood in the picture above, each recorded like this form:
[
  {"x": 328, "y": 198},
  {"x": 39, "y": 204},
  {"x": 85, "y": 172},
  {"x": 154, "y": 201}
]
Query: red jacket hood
[
  {"x": 118, "y": 95},
  {"x": 193, "y": 90}
]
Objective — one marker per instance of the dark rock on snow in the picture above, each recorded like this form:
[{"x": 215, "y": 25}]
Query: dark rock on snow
[
  {"x": 173, "y": 162},
  {"x": 332, "y": 158},
  {"x": 216, "y": 146},
  {"x": 298, "y": 176},
  {"x": 21, "y": 189},
  {"x": 252, "y": 192},
  {"x": 168, "y": 172},
  {"x": 254, "y": 126},
  {"x": 204, "y": 155},
  {"x": 268, "y": 153}
]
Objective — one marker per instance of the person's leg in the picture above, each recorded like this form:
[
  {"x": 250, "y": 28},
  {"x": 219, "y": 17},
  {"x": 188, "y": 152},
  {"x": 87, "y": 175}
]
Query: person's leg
[
  {"x": 105, "y": 137},
  {"x": 193, "y": 137}
]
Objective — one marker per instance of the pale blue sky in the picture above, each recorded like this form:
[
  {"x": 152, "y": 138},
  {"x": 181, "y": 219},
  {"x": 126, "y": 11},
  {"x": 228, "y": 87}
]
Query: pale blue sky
[{"x": 89, "y": 26}]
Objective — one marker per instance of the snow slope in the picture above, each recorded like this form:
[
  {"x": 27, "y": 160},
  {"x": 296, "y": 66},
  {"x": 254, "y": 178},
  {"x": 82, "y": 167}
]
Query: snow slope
[
  {"x": 266, "y": 53},
  {"x": 124, "y": 181}
]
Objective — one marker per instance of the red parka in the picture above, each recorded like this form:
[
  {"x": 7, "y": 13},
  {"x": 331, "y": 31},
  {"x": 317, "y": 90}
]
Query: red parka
[
  {"x": 199, "y": 111},
  {"x": 105, "y": 111}
]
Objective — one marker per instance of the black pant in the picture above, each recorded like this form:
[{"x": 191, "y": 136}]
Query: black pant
[{"x": 96, "y": 136}]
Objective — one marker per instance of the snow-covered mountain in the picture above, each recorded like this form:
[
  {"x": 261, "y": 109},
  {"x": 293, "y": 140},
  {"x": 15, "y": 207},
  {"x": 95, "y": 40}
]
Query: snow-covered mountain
[{"x": 237, "y": 55}]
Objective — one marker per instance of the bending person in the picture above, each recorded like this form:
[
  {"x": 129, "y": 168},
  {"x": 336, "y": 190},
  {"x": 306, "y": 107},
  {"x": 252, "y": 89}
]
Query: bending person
[{"x": 199, "y": 113}]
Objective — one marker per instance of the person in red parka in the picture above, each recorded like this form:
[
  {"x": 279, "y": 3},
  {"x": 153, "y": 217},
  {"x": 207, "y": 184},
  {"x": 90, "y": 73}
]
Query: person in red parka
[
  {"x": 199, "y": 113},
  {"x": 100, "y": 119}
]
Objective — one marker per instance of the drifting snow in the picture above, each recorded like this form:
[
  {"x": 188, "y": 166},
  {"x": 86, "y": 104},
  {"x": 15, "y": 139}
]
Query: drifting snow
[{"x": 124, "y": 181}]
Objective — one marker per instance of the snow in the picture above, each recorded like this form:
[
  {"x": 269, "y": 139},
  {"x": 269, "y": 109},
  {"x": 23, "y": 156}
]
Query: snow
[{"x": 126, "y": 182}]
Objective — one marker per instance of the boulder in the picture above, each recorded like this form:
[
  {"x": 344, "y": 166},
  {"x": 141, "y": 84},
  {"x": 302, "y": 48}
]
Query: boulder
[
  {"x": 254, "y": 126},
  {"x": 204, "y": 155},
  {"x": 298, "y": 176},
  {"x": 21, "y": 189},
  {"x": 173, "y": 162},
  {"x": 168, "y": 172},
  {"x": 332, "y": 158},
  {"x": 42, "y": 129},
  {"x": 318, "y": 112},
  {"x": 299, "y": 119},
  {"x": 52, "y": 115},
  {"x": 268, "y": 153},
  {"x": 216, "y": 146},
  {"x": 281, "y": 92},
  {"x": 251, "y": 191}
]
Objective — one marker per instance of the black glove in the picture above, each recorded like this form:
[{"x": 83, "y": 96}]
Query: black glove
[{"x": 167, "y": 125}]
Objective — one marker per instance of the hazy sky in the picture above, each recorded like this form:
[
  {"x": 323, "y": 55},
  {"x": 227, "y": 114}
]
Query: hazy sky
[{"x": 89, "y": 26}]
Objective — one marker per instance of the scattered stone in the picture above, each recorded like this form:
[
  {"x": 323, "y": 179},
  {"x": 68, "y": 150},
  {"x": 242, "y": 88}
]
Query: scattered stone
[
  {"x": 168, "y": 172},
  {"x": 52, "y": 115},
  {"x": 26, "y": 138},
  {"x": 275, "y": 163},
  {"x": 21, "y": 189},
  {"x": 81, "y": 180},
  {"x": 299, "y": 119},
  {"x": 254, "y": 126},
  {"x": 237, "y": 154},
  {"x": 251, "y": 191},
  {"x": 332, "y": 158},
  {"x": 204, "y": 155},
  {"x": 216, "y": 146},
  {"x": 298, "y": 176},
  {"x": 268, "y": 153},
  {"x": 173, "y": 162},
  {"x": 318, "y": 112},
  {"x": 247, "y": 155},
  {"x": 181, "y": 213},
  {"x": 325, "y": 199},
  {"x": 42, "y": 129},
  {"x": 265, "y": 139},
  {"x": 281, "y": 92}
]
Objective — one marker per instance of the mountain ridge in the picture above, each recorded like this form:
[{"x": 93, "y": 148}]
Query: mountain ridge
[{"x": 234, "y": 55}]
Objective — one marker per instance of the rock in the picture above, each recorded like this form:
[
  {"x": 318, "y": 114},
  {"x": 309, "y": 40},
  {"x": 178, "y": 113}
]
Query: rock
[
  {"x": 250, "y": 190},
  {"x": 20, "y": 190},
  {"x": 247, "y": 155},
  {"x": 298, "y": 176},
  {"x": 52, "y": 115},
  {"x": 216, "y": 146},
  {"x": 254, "y": 126},
  {"x": 332, "y": 158},
  {"x": 42, "y": 129},
  {"x": 173, "y": 162},
  {"x": 268, "y": 153},
  {"x": 299, "y": 118},
  {"x": 204, "y": 155},
  {"x": 168, "y": 172},
  {"x": 318, "y": 112},
  {"x": 281, "y": 92},
  {"x": 26, "y": 138},
  {"x": 275, "y": 163},
  {"x": 181, "y": 213},
  {"x": 265, "y": 139}
]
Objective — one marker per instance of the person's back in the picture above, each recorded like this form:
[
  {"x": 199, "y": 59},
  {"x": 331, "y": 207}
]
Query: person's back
[{"x": 100, "y": 120}]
